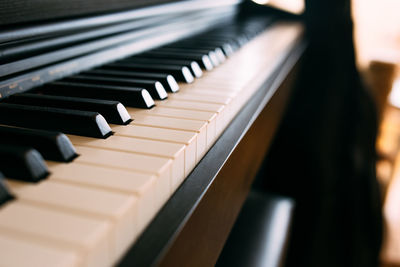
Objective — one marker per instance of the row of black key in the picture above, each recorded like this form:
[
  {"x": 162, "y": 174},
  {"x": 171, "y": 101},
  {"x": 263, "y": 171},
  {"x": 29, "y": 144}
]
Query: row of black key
[{"x": 84, "y": 104}]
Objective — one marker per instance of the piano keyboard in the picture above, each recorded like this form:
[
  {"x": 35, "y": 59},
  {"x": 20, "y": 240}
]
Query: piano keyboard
[{"x": 98, "y": 192}]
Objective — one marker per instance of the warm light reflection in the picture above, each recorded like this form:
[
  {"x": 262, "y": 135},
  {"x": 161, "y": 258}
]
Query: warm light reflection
[
  {"x": 391, "y": 248},
  {"x": 293, "y": 6},
  {"x": 384, "y": 173},
  {"x": 394, "y": 97},
  {"x": 388, "y": 147},
  {"x": 377, "y": 43},
  {"x": 377, "y": 30}
]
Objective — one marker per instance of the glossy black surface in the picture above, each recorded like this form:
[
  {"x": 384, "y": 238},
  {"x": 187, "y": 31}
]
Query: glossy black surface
[
  {"x": 18, "y": 11},
  {"x": 30, "y": 72},
  {"x": 84, "y": 123},
  {"x": 22, "y": 163},
  {"x": 128, "y": 96},
  {"x": 168, "y": 81},
  {"x": 155, "y": 88},
  {"x": 112, "y": 111},
  {"x": 51, "y": 145},
  {"x": 5, "y": 194},
  {"x": 227, "y": 47},
  {"x": 208, "y": 50},
  {"x": 33, "y": 46},
  {"x": 191, "y": 65},
  {"x": 203, "y": 60},
  {"x": 201, "y": 52},
  {"x": 180, "y": 73}
]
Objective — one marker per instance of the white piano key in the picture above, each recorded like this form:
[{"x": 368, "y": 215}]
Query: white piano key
[
  {"x": 210, "y": 117},
  {"x": 216, "y": 87},
  {"x": 176, "y": 113},
  {"x": 196, "y": 126},
  {"x": 161, "y": 134},
  {"x": 87, "y": 236},
  {"x": 161, "y": 167},
  {"x": 147, "y": 188},
  {"x": 221, "y": 109},
  {"x": 208, "y": 91},
  {"x": 175, "y": 152},
  {"x": 117, "y": 208},
  {"x": 192, "y": 105},
  {"x": 208, "y": 102},
  {"x": 17, "y": 252},
  {"x": 202, "y": 98}
]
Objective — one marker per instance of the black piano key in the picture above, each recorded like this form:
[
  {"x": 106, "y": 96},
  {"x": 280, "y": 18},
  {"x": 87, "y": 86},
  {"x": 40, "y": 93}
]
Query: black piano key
[
  {"x": 211, "y": 54},
  {"x": 86, "y": 123},
  {"x": 191, "y": 65},
  {"x": 226, "y": 47},
  {"x": 155, "y": 88},
  {"x": 235, "y": 38},
  {"x": 180, "y": 73},
  {"x": 168, "y": 81},
  {"x": 22, "y": 163},
  {"x": 224, "y": 43},
  {"x": 5, "y": 194},
  {"x": 112, "y": 111},
  {"x": 219, "y": 54},
  {"x": 128, "y": 96},
  {"x": 52, "y": 145},
  {"x": 203, "y": 60}
]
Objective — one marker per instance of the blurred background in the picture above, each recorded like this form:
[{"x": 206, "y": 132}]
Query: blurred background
[{"x": 377, "y": 42}]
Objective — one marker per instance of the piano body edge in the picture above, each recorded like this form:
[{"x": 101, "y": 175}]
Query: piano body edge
[{"x": 193, "y": 226}]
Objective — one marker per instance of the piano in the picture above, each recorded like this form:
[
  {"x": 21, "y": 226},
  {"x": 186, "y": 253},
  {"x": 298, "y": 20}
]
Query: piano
[{"x": 131, "y": 131}]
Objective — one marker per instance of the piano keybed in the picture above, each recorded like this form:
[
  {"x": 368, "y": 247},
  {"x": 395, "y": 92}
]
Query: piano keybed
[{"x": 90, "y": 210}]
